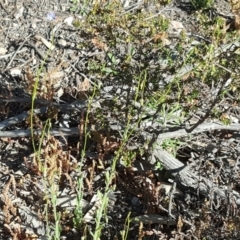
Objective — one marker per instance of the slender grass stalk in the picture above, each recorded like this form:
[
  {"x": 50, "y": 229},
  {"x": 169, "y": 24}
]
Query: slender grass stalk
[
  {"x": 34, "y": 95},
  {"x": 50, "y": 196},
  {"x": 124, "y": 232},
  {"x": 43, "y": 168},
  {"x": 110, "y": 175},
  {"x": 78, "y": 213},
  {"x": 57, "y": 215}
]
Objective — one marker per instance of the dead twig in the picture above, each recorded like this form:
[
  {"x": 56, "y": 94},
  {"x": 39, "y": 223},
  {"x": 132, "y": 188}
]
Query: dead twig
[
  {"x": 27, "y": 133},
  {"x": 76, "y": 106},
  {"x": 41, "y": 55},
  {"x": 184, "y": 176},
  {"x": 16, "y": 52},
  {"x": 209, "y": 126}
]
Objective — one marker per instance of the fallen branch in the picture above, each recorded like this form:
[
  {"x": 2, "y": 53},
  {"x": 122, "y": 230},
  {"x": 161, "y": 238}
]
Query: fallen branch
[
  {"x": 27, "y": 133},
  {"x": 163, "y": 136},
  {"x": 75, "y": 106},
  {"x": 204, "y": 127},
  {"x": 185, "y": 177}
]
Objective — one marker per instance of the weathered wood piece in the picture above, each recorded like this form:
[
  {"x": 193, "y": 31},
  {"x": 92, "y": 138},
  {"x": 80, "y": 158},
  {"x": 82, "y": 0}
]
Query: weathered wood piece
[{"x": 185, "y": 177}]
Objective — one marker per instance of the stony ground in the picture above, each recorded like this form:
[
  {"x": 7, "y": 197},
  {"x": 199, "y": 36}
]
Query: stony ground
[{"x": 86, "y": 66}]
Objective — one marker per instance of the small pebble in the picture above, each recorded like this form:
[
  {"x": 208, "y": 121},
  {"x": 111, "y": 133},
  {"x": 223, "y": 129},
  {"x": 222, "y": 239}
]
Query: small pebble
[
  {"x": 62, "y": 42},
  {"x": 135, "y": 201}
]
